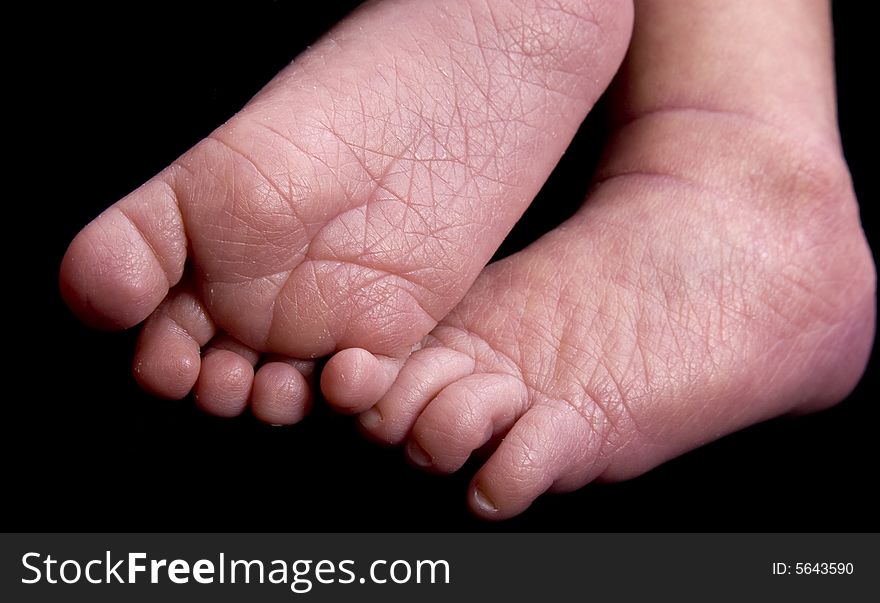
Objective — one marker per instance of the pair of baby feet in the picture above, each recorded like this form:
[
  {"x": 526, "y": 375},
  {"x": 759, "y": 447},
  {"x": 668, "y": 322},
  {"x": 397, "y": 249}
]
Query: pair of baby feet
[{"x": 716, "y": 275}]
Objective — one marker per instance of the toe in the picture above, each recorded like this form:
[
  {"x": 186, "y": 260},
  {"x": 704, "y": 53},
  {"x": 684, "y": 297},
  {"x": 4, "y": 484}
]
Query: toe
[
  {"x": 463, "y": 417},
  {"x": 168, "y": 355},
  {"x": 424, "y": 375},
  {"x": 119, "y": 268},
  {"x": 281, "y": 394},
  {"x": 225, "y": 382},
  {"x": 546, "y": 445},
  {"x": 354, "y": 379}
]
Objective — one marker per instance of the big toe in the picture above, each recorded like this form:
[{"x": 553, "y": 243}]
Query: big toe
[
  {"x": 546, "y": 448},
  {"x": 119, "y": 267}
]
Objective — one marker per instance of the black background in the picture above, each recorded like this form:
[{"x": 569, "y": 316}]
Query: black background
[{"x": 100, "y": 100}]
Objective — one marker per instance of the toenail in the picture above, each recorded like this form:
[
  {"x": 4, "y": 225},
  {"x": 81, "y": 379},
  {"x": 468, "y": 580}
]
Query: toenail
[
  {"x": 418, "y": 455},
  {"x": 483, "y": 502},
  {"x": 370, "y": 418}
]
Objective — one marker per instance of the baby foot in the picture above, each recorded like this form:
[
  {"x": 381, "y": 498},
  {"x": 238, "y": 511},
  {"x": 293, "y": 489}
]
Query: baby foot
[
  {"x": 717, "y": 277},
  {"x": 354, "y": 200}
]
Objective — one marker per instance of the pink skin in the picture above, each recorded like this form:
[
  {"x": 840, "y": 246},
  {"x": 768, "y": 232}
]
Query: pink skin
[
  {"x": 352, "y": 202},
  {"x": 717, "y": 276}
]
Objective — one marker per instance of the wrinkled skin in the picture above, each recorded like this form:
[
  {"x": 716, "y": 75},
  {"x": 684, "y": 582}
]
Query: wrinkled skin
[
  {"x": 716, "y": 275},
  {"x": 353, "y": 201}
]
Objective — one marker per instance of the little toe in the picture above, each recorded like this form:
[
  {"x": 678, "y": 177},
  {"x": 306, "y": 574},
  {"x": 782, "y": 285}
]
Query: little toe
[
  {"x": 426, "y": 373},
  {"x": 463, "y": 417},
  {"x": 168, "y": 356},
  {"x": 225, "y": 381},
  {"x": 544, "y": 447},
  {"x": 354, "y": 379},
  {"x": 281, "y": 393},
  {"x": 120, "y": 266}
]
